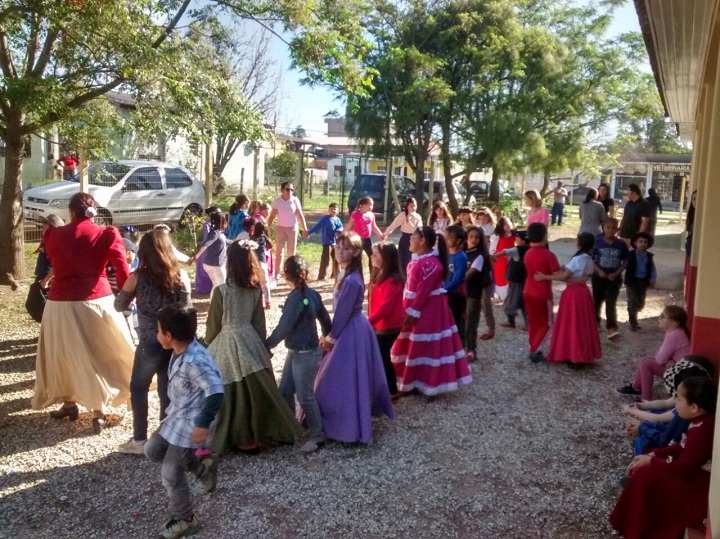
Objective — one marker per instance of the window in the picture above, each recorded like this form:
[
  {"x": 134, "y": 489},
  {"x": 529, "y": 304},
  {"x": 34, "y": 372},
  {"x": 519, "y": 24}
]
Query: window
[
  {"x": 175, "y": 178},
  {"x": 382, "y": 169},
  {"x": 143, "y": 179}
]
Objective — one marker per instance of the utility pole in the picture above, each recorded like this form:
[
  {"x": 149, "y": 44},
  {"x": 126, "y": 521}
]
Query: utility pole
[
  {"x": 208, "y": 174},
  {"x": 83, "y": 156}
]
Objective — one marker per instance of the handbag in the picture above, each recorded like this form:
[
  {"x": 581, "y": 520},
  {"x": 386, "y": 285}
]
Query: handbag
[{"x": 35, "y": 302}]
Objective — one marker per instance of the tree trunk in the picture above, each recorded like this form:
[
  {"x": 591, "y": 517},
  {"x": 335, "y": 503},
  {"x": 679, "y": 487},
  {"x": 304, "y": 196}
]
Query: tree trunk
[
  {"x": 495, "y": 184},
  {"x": 447, "y": 169},
  {"x": 420, "y": 184},
  {"x": 546, "y": 184},
  {"x": 12, "y": 236}
]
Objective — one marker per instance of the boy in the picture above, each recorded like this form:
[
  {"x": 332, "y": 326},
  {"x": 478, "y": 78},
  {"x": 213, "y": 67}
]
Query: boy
[
  {"x": 516, "y": 276},
  {"x": 331, "y": 227},
  {"x": 537, "y": 295},
  {"x": 196, "y": 392},
  {"x": 610, "y": 258},
  {"x": 455, "y": 287},
  {"x": 639, "y": 275}
]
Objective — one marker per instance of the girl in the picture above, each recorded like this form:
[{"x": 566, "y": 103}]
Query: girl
[
  {"x": 592, "y": 214},
  {"x": 363, "y": 221},
  {"x": 253, "y": 411},
  {"x": 158, "y": 282},
  {"x": 486, "y": 222},
  {"x": 297, "y": 327},
  {"x": 478, "y": 281},
  {"x": 440, "y": 217},
  {"x": 408, "y": 220},
  {"x": 536, "y": 212},
  {"x": 675, "y": 345},
  {"x": 606, "y": 200},
  {"x": 428, "y": 355},
  {"x": 238, "y": 214},
  {"x": 351, "y": 387},
  {"x": 257, "y": 234},
  {"x": 465, "y": 217},
  {"x": 455, "y": 285},
  {"x": 575, "y": 336},
  {"x": 502, "y": 238},
  {"x": 385, "y": 305},
  {"x": 668, "y": 488},
  {"x": 215, "y": 249},
  {"x": 203, "y": 284}
]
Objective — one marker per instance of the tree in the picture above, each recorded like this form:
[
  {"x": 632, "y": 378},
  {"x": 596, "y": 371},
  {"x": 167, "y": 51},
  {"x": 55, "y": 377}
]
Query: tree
[
  {"x": 58, "y": 57},
  {"x": 299, "y": 132},
  {"x": 283, "y": 165}
]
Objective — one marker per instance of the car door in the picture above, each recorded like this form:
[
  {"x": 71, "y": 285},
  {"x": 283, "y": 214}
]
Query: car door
[
  {"x": 142, "y": 199},
  {"x": 179, "y": 191}
]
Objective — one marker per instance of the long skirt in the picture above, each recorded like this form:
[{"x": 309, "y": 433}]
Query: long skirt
[
  {"x": 575, "y": 334},
  {"x": 203, "y": 284},
  {"x": 85, "y": 355},
  {"x": 404, "y": 251}
]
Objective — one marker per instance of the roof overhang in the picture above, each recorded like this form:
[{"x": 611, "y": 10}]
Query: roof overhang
[{"x": 677, "y": 33}]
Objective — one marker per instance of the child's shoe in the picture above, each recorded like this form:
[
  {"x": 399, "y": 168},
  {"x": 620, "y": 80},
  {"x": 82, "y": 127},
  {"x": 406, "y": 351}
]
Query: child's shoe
[
  {"x": 536, "y": 357},
  {"x": 131, "y": 447},
  {"x": 311, "y": 446},
  {"x": 180, "y": 528},
  {"x": 208, "y": 477},
  {"x": 470, "y": 357},
  {"x": 628, "y": 391},
  {"x": 613, "y": 334}
]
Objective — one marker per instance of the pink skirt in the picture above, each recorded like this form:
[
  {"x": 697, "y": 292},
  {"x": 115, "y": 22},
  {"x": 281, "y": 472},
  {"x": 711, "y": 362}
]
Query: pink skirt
[{"x": 575, "y": 334}]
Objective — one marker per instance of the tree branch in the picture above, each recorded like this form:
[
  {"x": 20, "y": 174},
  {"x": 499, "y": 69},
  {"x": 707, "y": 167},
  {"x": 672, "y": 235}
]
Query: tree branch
[{"x": 6, "y": 62}]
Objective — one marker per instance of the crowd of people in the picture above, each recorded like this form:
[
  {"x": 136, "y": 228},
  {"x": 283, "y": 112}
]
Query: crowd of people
[{"x": 425, "y": 298}]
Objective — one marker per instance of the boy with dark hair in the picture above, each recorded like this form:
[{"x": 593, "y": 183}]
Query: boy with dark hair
[
  {"x": 610, "y": 258},
  {"x": 331, "y": 227},
  {"x": 195, "y": 389},
  {"x": 639, "y": 275}
]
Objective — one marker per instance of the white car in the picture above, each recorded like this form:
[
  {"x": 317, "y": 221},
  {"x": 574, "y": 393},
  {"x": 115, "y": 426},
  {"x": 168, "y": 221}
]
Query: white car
[
  {"x": 126, "y": 192},
  {"x": 439, "y": 193}
]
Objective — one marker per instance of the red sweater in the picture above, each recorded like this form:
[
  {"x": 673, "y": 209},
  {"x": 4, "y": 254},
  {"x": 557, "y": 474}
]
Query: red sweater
[
  {"x": 692, "y": 452},
  {"x": 385, "y": 311},
  {"x": 79, "y": 253}
]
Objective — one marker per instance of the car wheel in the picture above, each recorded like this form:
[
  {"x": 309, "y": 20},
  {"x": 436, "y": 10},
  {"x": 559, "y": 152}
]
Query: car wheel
[
  {"x": 191, "y": 210},
  {"x": 103, "y": 218}
]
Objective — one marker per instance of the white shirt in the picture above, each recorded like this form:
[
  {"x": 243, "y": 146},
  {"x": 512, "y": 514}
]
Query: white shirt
[
  {"x": 286, "y": 211},
  {"x": 580, "y": 265},
  {"x": 407, "y": 223}
]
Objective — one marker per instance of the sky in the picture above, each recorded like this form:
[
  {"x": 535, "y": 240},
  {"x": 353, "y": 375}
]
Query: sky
[{"x": 307, "y": 106}]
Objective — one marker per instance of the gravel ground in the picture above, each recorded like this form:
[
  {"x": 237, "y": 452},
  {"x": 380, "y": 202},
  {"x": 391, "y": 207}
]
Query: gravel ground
[{"x": 525, "y": 451}]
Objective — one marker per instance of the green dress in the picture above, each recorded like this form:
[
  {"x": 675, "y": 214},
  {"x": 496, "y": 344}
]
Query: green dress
[{"x": 253, "y": 410}]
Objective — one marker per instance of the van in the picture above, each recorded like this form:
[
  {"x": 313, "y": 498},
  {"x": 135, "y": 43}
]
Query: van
[
  {"x": 439, "y": 193},
  {"x": 373, "y": 186}
]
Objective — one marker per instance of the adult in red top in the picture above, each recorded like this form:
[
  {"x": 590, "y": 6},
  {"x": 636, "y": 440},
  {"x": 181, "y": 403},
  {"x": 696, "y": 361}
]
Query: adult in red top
[
  {"x": 69, "y": 164},
  {"x": 85, "y": 351}
]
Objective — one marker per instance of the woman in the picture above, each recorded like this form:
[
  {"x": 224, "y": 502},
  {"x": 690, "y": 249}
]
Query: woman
[
  {"x": 606, "y": 200},
  {"x": 84, "y": 354},
  {"x": 592, "y": 214},
  {"x": 289, "y": 213},
  {"x": 157, "y": 282},
  {"x": 536, "y": 212},
  {"x": 655, "y": 206},
  {"x": 409, "y": 221}
]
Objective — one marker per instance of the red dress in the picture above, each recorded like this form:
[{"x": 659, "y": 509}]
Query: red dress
[
  {"x": 428, "y": 356},
  {"x": 504, "y": 242},
  {"x": 671, "y": 493}
]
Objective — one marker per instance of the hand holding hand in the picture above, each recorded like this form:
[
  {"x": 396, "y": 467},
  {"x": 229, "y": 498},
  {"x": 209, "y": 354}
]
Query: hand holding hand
[
  {"x": 539, "y": 276},
  {"x": 639, "y": 462},
  {"x": 305, "y": 234},
  {"x": 199, "y": 435},
  {"x": 602, "y": 274}
]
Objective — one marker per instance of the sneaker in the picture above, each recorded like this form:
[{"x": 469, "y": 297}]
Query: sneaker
[
  {"x": 613, "y": 334},
  {"x": 628, "y": 391},
  {"x": 180, "y": 528},
  {"x": 208, "y": 477},
  {"x": 311, "y": 446},
  {"x": 536, "y": 357},
  {"x": 131, "y": 447}
]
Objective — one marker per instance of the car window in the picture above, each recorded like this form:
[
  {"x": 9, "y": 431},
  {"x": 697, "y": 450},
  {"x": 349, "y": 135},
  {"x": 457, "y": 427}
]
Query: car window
[
  {"x": 373, "y": 183},
  {"x": 176, "y": 178},
  {"x": 105, "y": 174},
  {"x": 143, "y": 179}
]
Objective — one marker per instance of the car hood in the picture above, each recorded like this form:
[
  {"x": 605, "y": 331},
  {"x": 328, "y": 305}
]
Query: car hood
[{"x": 65, "y": 190}]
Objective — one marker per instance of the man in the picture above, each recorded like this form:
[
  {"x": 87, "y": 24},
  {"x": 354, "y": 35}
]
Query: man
[
  {"x": 636, "y": 216},
  {"x": 559, "y": 195}
]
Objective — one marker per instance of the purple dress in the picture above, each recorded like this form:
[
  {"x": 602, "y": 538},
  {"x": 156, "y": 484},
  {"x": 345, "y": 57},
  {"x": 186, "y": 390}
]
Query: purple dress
[
  {"x": 203, "y": 284},
  {"x": 351, "y": 386}
]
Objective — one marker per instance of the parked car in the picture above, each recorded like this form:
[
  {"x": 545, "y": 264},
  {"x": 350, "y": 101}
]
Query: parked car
[
  {"x": 126, "y": 192},
  {"x": 373, "y": 186},
  {"x": 577, "y": 195},
  {"x": 439, "y": 193}
]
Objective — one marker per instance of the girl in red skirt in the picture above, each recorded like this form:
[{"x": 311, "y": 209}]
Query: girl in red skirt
[
  {"x": 575, "y": 335},
  {"x": 668, "y": 488},
  {"x": 428, "y": 355}
]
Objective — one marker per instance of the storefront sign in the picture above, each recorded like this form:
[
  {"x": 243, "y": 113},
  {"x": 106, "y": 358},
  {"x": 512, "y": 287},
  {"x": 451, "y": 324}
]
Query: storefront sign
[{"x": 671, "y": 168}]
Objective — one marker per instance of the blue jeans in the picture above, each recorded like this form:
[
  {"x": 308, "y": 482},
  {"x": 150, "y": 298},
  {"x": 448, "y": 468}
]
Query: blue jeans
[
  {"x": 298, "y": 377},
  {"x": 557, "y": 213},
  {"x": 150, "y": 359}
]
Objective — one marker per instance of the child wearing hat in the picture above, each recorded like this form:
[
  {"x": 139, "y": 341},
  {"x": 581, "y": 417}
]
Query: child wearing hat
[{"x": 639, "y": 275}]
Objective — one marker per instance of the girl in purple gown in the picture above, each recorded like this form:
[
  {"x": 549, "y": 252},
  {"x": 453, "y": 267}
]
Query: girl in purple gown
[
  {"x": 203, "y": 285},
  {"x": 351, "y": 387}
]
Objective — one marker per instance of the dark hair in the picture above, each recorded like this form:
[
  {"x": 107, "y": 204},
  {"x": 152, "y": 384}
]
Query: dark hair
[
  {"x": 295, "y": 269},
  {"x": 482, "y": 244},
  {"x": 648, "y": 237},
  {"x": 390, "y": 263},
  {"x": 634, "y": 188},
  {"x": 259, "y": 230},
  {"x": 700, "y": 391},
  {"x": 592, "y": 194},
  {"x": 211, "y": 209},
  {"x": 179, "y": 321},
  {"x": 652, "y": 194},
  {"x": 243, "y": 269},
  {"x": 407, "y": 203},
  {"x": 606, "y": 186},
  {"x": 678, "y": 315},
  {"x": 354, "y": 241},
  {"x": 690, "y": 372},
  {"x": 234, "y": 208},
  {"x": 433, "y": 216},
  {"x": 611, "y": 221},
  {"x": 703, "y": 362},
  {"x": 690, "y": 217},
  {"x": 536, "y": 233},
  {"x": 457, "y": 232},
  {"x": 284, "y": 185},
  {"x": 79, "y": 203},
  {"x": 217, "y": 221},
  {"x": 242, "y": 200},
  {"x": 585, "y": 242},
  {"x": 333, "y": 205},
  {"x": 157, "y": 260},
  {"x": 248, "y": 223},
  {"x": 500, "y": 226},
  {"x": 433, "y": 239},
  {"x": 363, "y": 201}
]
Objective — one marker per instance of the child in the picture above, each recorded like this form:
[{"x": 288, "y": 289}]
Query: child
[
  {"x": 668, "y": 488},
  {"x": 455, "y": 285},
  {"x": 440, "y": 217},
  {"x": 575, "y": 335},
  {"x": 610, "y": 258},
  {"x": 363, "y": 221},
  {"x": 215, "y": 249},
  {"x": 515, "y": 274},
  {"x": 675, "y": 345},
  {"x": 351, "y": 387},
  {"x": 248, "y": 226},
  {"x": 408, "y": 220},
  {"x": 639, "y": 275},
  {"x": 478, "y": 282},
  {"x": 331, "y": 227},
  {"x": 536, "y": 212},
  {"x": 537, "y": 295},
  {"x": 486, "y": 222},
  {"x": 263, "y": 211},
  {"x": 238, "y": 214},
  {"x": 502, "y": 238},
  {"x": 428, "y": 355},
  {"x": 385, "y": 312},
  {"x": 297, "y": 327},
  {"x": 465, "y": 217},
  {"x": 257, "y": 235},
  {"x": 261, "y": 216},
  {"x": 254, "y": 412},
  {"x": 196, "y": 394}
]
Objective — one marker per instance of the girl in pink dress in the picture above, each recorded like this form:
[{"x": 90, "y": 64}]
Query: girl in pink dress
[
  {"x": 575, "y": 336},
  {"x": 536, "y": 212},
  {"x": 428, "y": 355}
]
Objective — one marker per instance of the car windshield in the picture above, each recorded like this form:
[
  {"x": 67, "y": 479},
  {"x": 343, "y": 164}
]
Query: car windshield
[
  {"x": 105, "y": 174},
  {"x": 437, "y": 185}
]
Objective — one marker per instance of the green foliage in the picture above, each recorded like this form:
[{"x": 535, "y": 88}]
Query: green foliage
[
  {"x": 190, "y": 234},
  {"x": 283, "y": 165},
  {"x": 299, "y": 132}
]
